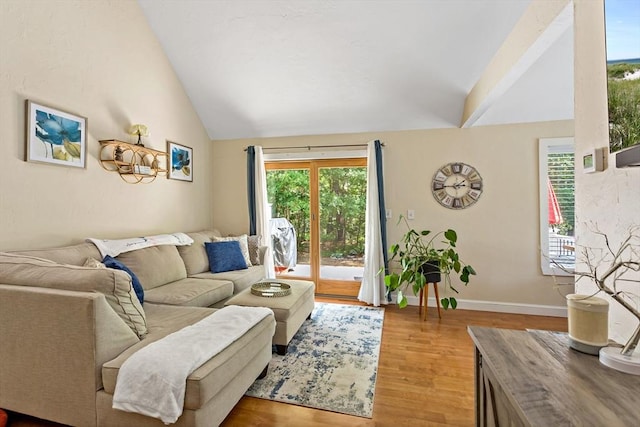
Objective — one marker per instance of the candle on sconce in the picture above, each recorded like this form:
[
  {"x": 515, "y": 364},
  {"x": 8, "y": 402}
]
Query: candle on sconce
[{"x": 139, "y": 130}]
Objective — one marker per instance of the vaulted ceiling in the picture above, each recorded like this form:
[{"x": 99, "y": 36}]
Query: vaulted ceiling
[{"x": 261, "y": 68}]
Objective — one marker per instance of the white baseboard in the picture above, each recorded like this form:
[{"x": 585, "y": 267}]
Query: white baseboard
[{"x": 500, "y": 307}]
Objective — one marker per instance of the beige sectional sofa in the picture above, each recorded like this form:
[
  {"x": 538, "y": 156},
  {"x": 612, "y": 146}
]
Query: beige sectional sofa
[{"x": 65, "y": 330}]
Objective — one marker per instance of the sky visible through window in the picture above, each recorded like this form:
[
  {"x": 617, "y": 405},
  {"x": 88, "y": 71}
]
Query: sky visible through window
[{"x": 622, "y": 18}]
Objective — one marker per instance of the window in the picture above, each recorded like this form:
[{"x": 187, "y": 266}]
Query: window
[{"x": 557, "y": 204}]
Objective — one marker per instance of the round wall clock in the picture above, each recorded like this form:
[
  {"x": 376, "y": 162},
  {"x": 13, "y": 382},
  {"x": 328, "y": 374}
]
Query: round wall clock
[{"x": 456, "y": 185}]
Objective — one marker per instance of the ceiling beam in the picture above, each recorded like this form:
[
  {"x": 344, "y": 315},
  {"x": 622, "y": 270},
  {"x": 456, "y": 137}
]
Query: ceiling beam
[{"x": 540, "y": 26}]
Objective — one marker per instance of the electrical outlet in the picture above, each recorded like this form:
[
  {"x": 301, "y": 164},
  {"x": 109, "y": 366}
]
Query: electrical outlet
[
  {"x": 389, "y": 214},
  {"x": 411, "y": 214}
]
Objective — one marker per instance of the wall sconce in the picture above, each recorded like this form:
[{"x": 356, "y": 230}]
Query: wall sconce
[{"x": 140, "y": 131}]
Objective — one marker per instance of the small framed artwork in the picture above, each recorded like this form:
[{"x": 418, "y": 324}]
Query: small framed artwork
[
  {"x": 593, "y": 161},
  {"x": 180, "y": 162},
  {"x": 55, "y": 136}
]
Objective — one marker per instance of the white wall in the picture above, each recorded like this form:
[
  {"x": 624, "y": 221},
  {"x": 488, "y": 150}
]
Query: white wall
[
  {"x": 610, "y": 200},
  {"x": 498, "y": 235},
  {"x": 98, "y": 59}
]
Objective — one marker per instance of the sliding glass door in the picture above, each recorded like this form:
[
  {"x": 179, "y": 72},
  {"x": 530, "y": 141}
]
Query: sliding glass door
[{"x": 318, "y": 210}]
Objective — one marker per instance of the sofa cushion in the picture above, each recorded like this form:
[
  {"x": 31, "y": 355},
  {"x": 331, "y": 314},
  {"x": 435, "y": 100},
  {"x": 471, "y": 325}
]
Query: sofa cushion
[
  {"x": 242, "y": 279},
  {"x": 74, "y": 255},
  {"x": 212, "y": 377},
  {"x": 115, "y": 285},
  {"x": 195, "y": 255},
  {"x": 253, "y": 242},
  {"x": 213, "y": 233},
  {"x": 225, "y": 256},
  {"x": 155, "y": 266},
  {"x": 111, "y": 262},
  {"x": 191, "y": 292},
  {"x": 244, "y": 245}
]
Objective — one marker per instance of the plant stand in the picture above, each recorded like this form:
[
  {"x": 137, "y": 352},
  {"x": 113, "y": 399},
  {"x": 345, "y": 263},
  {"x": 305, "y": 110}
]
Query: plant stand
[{"x": 425, "y": 297}]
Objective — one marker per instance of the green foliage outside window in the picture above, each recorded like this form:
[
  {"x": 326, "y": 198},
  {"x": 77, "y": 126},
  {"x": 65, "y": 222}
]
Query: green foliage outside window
[
  {"x": 288, "y": 193},
  {"x": 343, "y": 194},
  {"x": 342, "y": 207},
  {"x": 624, "y": 106}
]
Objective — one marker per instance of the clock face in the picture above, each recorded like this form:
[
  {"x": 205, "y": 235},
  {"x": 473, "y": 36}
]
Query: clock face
[{"x": 456, "y": 185}]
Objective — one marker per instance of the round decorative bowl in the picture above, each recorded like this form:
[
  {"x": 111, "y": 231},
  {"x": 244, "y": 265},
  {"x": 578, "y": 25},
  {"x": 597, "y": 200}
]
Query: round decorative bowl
[{"x": 271, "y": 289}]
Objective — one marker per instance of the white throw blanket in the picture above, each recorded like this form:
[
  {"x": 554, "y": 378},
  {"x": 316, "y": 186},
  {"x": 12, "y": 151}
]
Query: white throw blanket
[
  {"x": 116, "y": 247},
  {"x": 152, "y": 381}
]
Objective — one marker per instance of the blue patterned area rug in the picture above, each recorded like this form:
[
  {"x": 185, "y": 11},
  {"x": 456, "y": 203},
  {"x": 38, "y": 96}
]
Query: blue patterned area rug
[{"x": 331, "y": 362}]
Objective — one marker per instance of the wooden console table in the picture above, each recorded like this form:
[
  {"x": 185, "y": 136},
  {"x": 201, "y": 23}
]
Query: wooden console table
[{"x": 533, "y": 378}]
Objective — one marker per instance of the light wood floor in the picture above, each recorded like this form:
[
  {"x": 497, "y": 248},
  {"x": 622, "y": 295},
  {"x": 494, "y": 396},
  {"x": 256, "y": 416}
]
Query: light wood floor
[{"x": 425, "y": 374}]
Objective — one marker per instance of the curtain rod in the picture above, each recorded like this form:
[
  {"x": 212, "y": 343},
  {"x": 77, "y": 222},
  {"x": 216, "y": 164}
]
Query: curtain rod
[{"x": 309, "y": 147}]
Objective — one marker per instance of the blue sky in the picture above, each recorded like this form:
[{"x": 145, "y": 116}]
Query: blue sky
[{"x": 622, "y": 19}]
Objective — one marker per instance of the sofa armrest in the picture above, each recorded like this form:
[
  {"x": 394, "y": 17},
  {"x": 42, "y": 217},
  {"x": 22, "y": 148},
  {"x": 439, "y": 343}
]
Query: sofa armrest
[{"x": 52, "y": 346}]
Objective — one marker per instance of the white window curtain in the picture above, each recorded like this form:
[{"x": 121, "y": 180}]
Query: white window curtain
[
  {"x": 372, "y": 289},
  {"x": 262, "y": 211}
]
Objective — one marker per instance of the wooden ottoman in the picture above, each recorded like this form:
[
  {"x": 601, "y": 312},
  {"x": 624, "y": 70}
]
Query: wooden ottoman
[{"x": 290, "y": 311}]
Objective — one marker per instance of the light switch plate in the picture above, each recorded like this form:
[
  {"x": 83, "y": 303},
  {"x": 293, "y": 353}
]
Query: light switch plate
[
  {"x": 389, "y": 214},
  {"x": 411, "y": 214}
]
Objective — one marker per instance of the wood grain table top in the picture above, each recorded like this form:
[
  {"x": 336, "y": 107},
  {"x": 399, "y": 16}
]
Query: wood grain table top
[{"x": 549, "y": 384}]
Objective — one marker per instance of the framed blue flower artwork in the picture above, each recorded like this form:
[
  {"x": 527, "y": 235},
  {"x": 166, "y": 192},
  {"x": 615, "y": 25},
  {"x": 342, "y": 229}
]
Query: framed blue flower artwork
[
  {"x": 180, "y": 162},
  {"x": 55, "y": 136}
]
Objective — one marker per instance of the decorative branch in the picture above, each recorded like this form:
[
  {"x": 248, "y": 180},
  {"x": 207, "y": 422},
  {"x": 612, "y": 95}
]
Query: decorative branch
[{"x": 612, "y": 267}]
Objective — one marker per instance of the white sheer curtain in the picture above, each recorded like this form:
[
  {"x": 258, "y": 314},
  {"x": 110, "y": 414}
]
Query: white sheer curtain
[
  {"x": 262, "y": 211},
  {"x": 372, "y": 289}
]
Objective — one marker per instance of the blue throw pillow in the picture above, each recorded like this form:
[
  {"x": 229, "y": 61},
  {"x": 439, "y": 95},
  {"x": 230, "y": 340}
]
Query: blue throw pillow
[
  {"x": 225, "y": 256},
  {"x": 111, "y": 262}
]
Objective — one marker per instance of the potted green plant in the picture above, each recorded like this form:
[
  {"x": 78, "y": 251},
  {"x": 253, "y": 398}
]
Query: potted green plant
[{"x": 426, "y": 257}]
